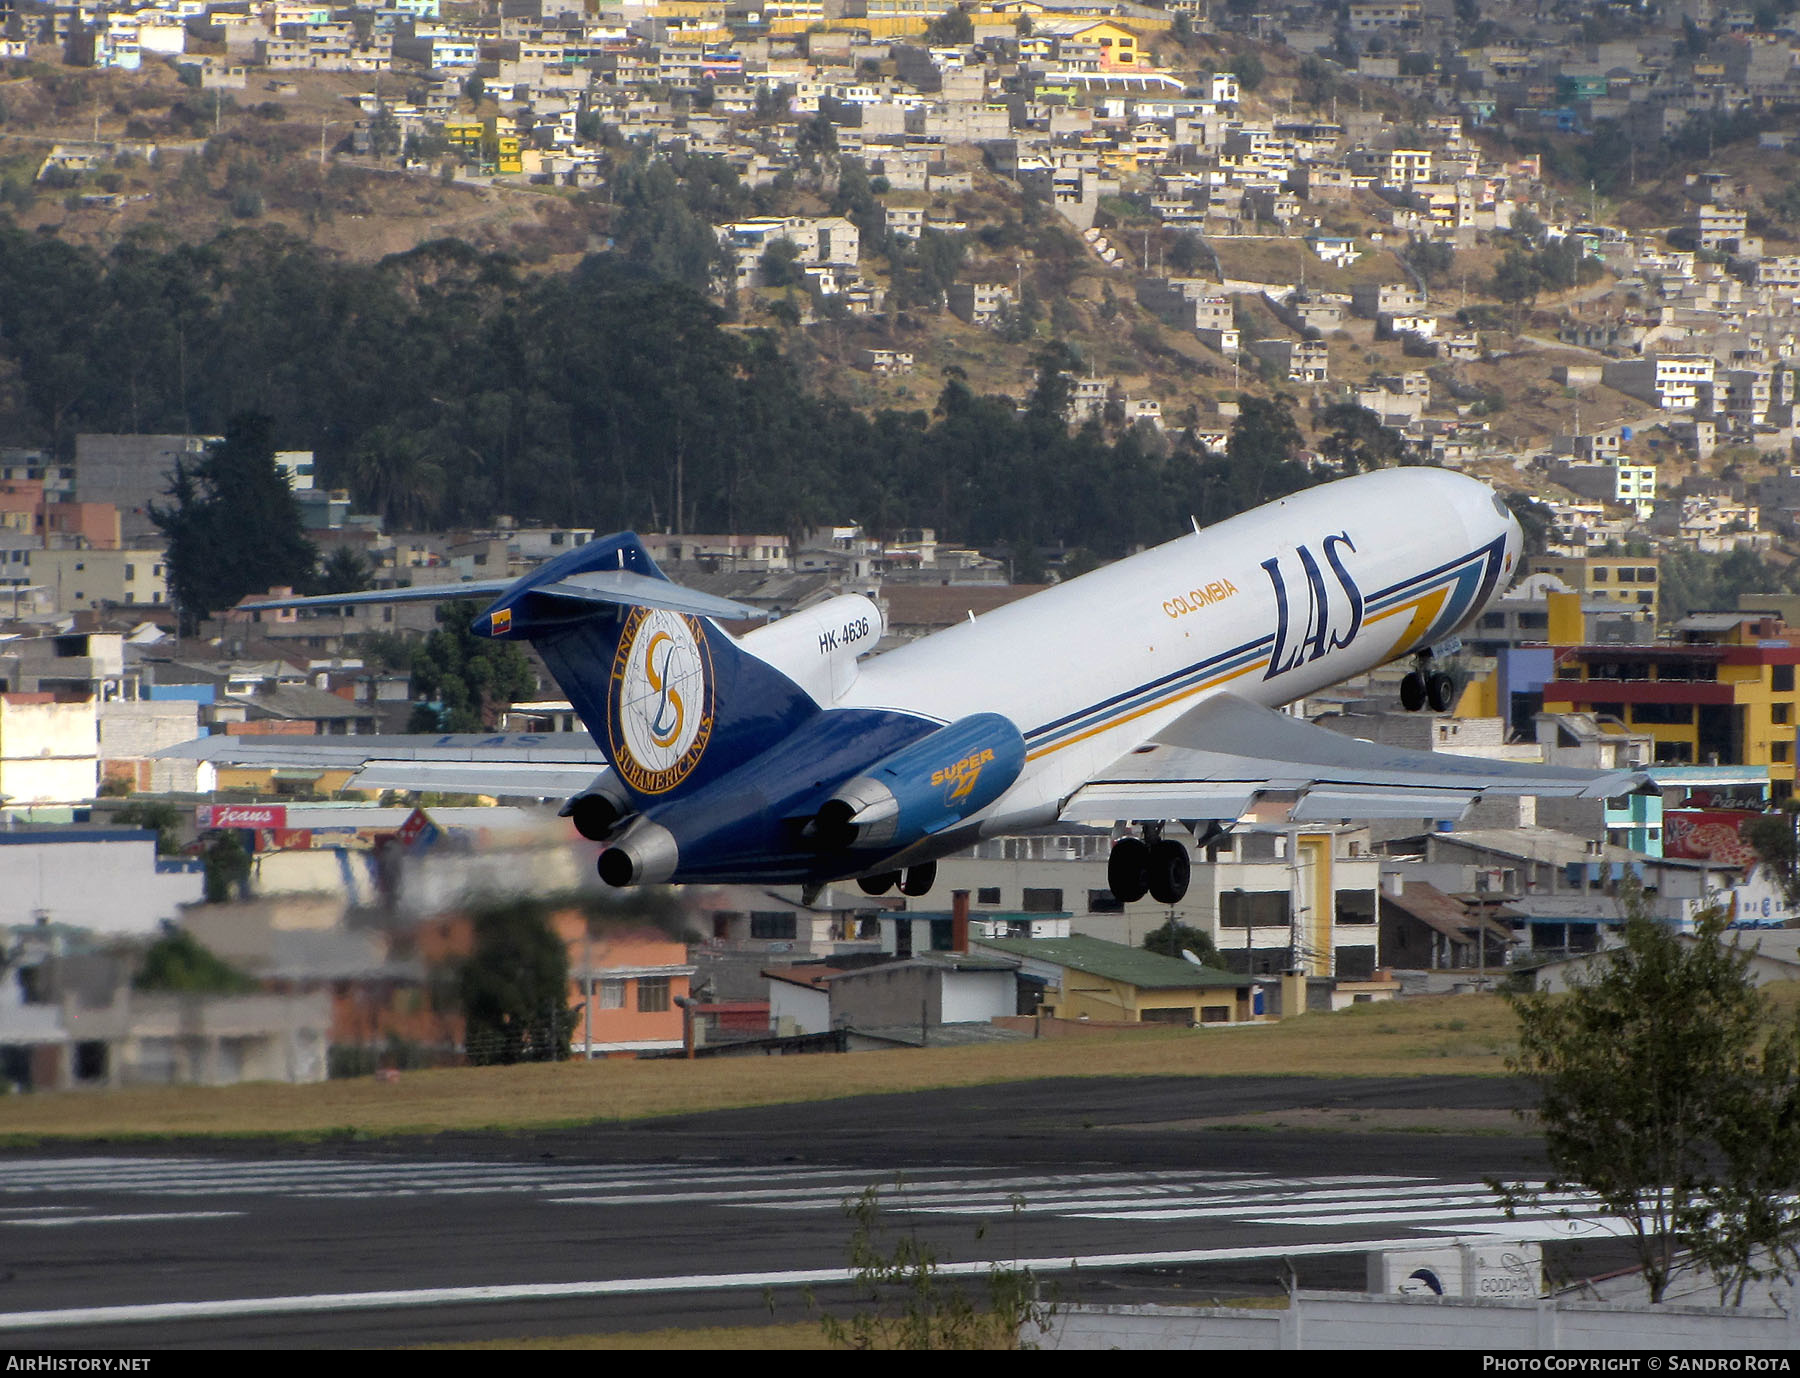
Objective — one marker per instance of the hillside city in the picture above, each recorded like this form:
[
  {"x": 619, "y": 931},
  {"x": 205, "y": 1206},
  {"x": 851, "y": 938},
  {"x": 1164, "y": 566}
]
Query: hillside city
[{"x": 1556, "y": 247}]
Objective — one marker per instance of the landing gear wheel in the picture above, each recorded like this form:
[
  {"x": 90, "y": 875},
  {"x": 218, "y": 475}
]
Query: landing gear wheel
[
  {"x": 1128, "y": 870},
  {"x": 1169, "y": 869},
  {"x": 918, "y": 880},
  {"x": 1412, "y": 691},
  {"x": 1440, "y": 692},
  {"x": 878, "y": 885}
]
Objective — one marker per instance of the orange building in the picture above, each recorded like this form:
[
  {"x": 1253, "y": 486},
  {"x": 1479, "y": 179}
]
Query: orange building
[
  {"x": 625, "y": 982},
  {"x": 629, "y": 983}
]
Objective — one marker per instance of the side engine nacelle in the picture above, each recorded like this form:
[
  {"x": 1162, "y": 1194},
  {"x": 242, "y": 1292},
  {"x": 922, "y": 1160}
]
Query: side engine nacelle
[
  {"x": 924, "y": 788},
  {"x": 601, "y": 809}
]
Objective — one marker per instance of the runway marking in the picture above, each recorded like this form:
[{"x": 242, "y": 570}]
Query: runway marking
[
  {"x": 697, "y": 1282},
  {"x": 49, "y": 1221},
  {"x": 1381, "y": 1202}
]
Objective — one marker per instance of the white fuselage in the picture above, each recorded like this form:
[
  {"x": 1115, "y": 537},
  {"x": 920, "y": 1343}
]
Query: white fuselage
[{"x": 1274, "y": 604}]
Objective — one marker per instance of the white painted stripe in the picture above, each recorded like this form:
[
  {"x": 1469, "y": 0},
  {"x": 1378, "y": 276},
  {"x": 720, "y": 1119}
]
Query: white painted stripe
[
  {"x": 1277, "y": 1213},
  {"x": 1203, "y": 1203},
  {"x": 1488, "y": 1212},
  {"x": 217, "y": 1179},
  {"x": 893, "y": 1196},
  {"x": 124, "y": 1219},
  {"x": 698, "y": 1282}
]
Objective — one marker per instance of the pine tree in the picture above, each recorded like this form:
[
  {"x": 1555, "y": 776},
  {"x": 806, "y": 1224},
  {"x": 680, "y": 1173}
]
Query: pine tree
[{"x": 234, "y": 528}]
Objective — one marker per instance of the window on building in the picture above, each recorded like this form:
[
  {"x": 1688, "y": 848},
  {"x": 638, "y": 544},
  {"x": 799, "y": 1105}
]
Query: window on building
[
  {"x": 1646, "y": 574},
  {"x": 1042, "y": 901},
  {"x": 1259, "y": 908},
  {"x": 1780, "y": 712},
  {"x": 612, "y": 995},
  {"x": 1781, "y": 752},
  {"x": 988, "y": 894},
  {"x": 772, "y": 925},
  {"x": 653, "y": 994},
  {"x": 1599, "y": 576},
  {"x": 1104, "y": 902},
  {"x": 1627, "y": 576},
  {"x": 1356, "y": 906},
  {"x": 1781, "y": 678}
]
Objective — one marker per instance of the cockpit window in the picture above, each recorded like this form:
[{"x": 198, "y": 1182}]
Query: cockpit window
[{"x": 1501, "y": 507}]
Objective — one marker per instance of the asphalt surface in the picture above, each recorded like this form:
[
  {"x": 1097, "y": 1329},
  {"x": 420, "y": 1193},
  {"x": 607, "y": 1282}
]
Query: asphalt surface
[{"x": 734, "y": 1217}]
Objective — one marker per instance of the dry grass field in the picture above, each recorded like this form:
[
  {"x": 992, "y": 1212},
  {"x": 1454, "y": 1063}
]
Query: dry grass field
[{"x": 1450, "y": 1035}]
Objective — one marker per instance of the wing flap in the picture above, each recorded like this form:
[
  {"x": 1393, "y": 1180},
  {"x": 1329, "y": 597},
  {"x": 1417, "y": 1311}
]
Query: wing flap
[
  {"x": 1159, "y": 799},
  {"x": 1218, "y": 760}
]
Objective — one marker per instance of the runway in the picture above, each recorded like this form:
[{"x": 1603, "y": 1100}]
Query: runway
[{"x": 712, "y": 1219}]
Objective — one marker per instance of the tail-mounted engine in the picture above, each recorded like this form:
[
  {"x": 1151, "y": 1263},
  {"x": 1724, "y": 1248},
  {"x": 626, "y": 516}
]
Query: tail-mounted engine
[{"x": 923, "y": 788}]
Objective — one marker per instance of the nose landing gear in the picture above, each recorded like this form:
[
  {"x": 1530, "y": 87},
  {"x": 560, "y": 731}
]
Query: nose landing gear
[{"x": 1422, "y": 685}]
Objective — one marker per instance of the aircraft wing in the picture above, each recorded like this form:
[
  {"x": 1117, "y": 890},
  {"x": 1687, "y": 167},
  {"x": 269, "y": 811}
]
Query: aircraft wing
[
  {"x": 1218, "y": 760},
  {"x": 525, "y": 764}
]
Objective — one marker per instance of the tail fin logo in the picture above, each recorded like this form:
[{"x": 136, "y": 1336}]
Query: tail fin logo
[{"x": 661, "y": 714}]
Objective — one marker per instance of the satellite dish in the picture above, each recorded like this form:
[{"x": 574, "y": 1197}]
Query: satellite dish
[{"x": 1189, "y": 956}]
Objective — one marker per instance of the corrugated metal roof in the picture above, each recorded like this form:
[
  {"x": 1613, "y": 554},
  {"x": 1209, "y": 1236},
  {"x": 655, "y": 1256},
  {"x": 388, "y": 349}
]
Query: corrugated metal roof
[{"x": 1116, "y": 962}]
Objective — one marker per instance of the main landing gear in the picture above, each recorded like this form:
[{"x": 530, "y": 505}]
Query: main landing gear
[
  {"x": 1423, "y": 685},
  {"x": 914, "y": 881},
  {"x": 1153, "y": 865}
]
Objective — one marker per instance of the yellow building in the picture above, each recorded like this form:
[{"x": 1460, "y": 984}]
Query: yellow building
[
  {"x": 98, "y": 578},
  {"x": 481, "y": 142},
  {"x": 1089, "y": 978},
  {"x": 1724, "y": 694},
  {"x": 1630, "y": 580}
]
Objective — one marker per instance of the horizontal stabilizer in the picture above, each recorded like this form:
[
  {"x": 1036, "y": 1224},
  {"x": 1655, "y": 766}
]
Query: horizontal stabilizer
[
  {"x": 1215, "y": 761},
  {"x": 534, "y": 765},
  {"x": 618, "y": 587}
]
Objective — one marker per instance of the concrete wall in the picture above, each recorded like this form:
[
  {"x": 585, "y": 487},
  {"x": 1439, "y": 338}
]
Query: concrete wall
[
  {"x": 111, "y": 886},
  {"x": 49, "y": 752},
  {"x": 1343, "y": 1320}
]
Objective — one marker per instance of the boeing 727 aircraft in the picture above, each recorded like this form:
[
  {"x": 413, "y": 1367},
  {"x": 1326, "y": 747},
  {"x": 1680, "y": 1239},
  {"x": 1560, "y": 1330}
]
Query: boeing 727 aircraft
[{"x": 1143, "y": 692}]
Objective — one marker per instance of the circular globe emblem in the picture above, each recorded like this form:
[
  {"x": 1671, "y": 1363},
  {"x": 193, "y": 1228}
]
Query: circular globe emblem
[{"x": 662, "y": 709}]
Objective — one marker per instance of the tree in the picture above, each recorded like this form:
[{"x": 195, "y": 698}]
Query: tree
[
  {"x": 950, "y": 29},
  {"x": 344, "y": 571},
  {"x": 154, "y": 815},
  {"x": 1358, "y": 441},
  {"x": 1172, "y": 938},
  {"x": 1264, "y": 433},
  {"x": 515, "y": 985},
  {"x": 384, "y": 132},
  {"x": 227, "y": 867},
  {"x": 779, "y": 264},
  {"x": 234, "y": 528},
  {"x": 1431, "y": 259},
  {"x": 177, "y": 962},
  {"x": 467, "y": 674},
  {"x": 1777, "y": 845},
  {"x": 1657, "y": 1085}
]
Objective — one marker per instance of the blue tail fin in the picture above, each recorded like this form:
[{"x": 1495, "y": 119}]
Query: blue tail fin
[{"x": 670, "y": 698}]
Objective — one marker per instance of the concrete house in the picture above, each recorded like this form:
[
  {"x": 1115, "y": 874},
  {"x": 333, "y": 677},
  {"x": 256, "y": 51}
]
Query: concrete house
[{"x": 1089, "y": 978}]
